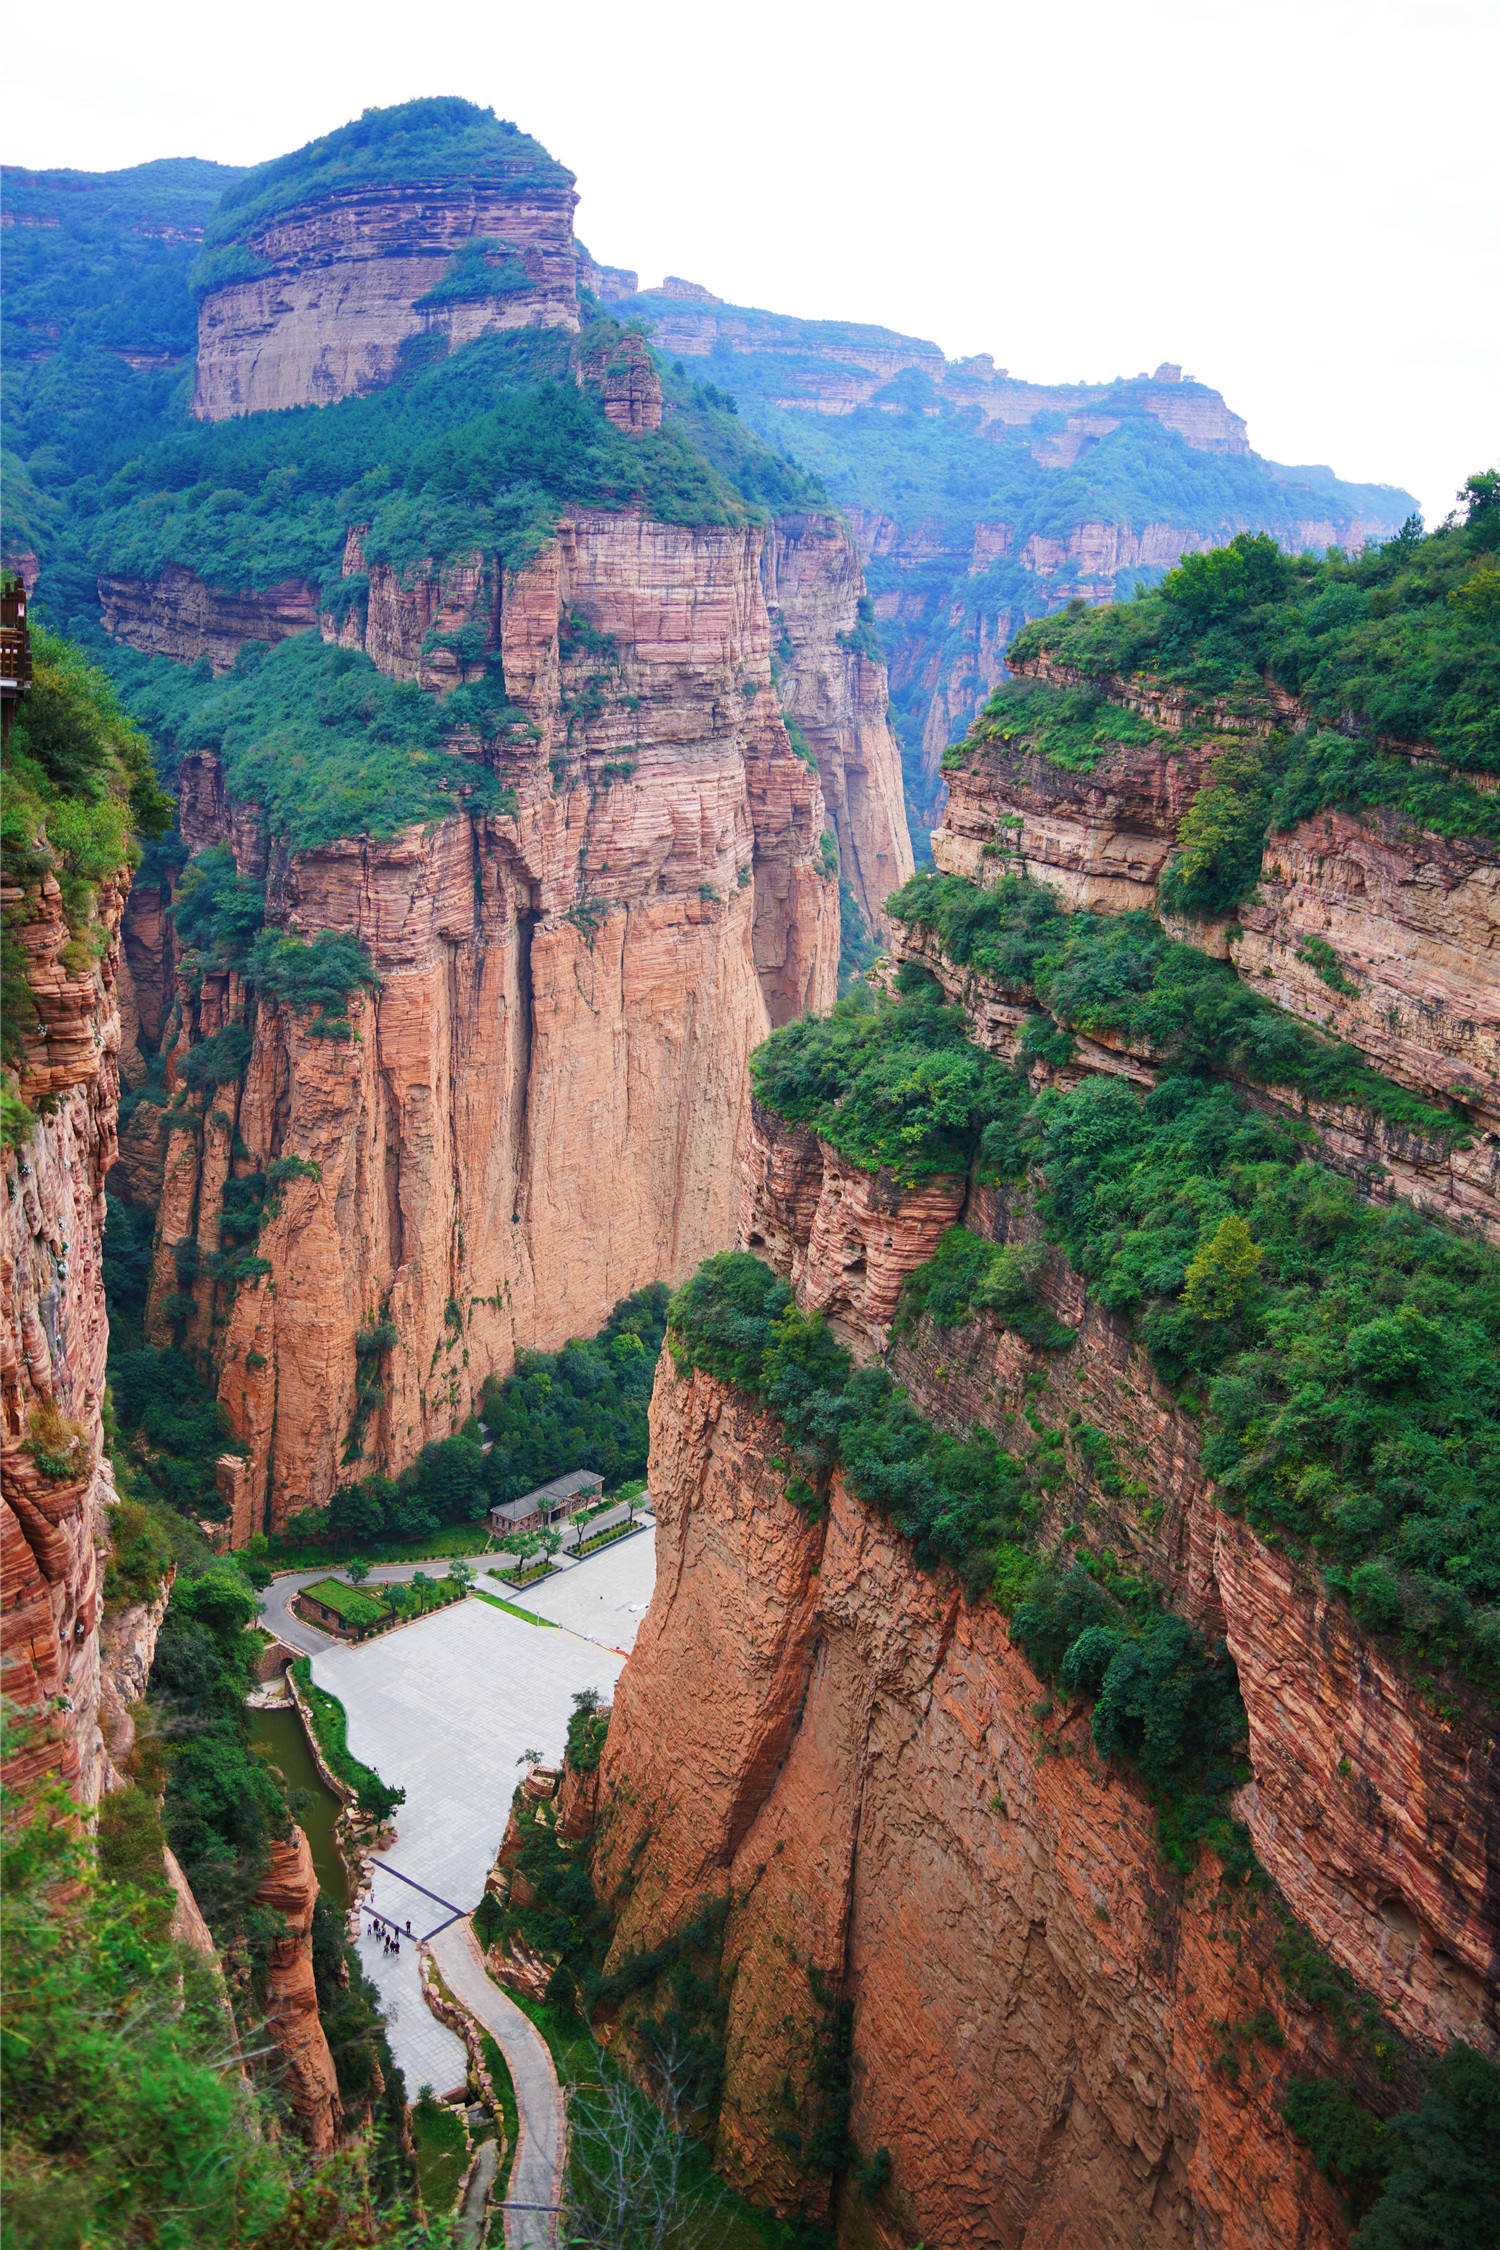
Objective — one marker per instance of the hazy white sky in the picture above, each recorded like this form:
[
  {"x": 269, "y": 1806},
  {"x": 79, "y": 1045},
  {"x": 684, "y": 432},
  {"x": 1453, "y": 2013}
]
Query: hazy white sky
[{"x": 1294, "y": 198}]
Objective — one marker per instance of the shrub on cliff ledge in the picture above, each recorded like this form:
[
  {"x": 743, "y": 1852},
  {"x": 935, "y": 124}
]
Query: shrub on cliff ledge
[
  {"x": 1120, "y": 975},
  {"x": 958, "y": 1499},
  {"x": 1401, "y": 636},
  {"x": 895, "y": 1086},
  {"x": 78, "y": 789}
]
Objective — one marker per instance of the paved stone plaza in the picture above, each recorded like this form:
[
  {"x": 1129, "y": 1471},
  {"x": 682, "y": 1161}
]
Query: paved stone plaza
[{"x": 445, "y": 1708}]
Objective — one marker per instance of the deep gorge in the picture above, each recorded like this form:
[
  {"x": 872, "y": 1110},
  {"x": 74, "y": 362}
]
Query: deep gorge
[{"x": 1052, "y": 1798}]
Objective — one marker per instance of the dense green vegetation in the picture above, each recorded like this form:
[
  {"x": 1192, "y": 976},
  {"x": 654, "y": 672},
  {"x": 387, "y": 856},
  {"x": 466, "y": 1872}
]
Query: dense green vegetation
[
  {"x": 581, "y": 1408},
  {"x": 1405, "y": 636},
  {"x": 326, "y": 744},
  {"x": 122, "y": 2123},
  {"x": 1121, "y": 975},
  {"x": 1350, "y": 1355},
  {"x": 79, "y": 789},
  {"x": 100, "y": 324},
  {"x": 114, "y": 2108},
  {"x": 478, "y": 450},
  {"x": 440, "y": 137},
  {"x": 101, "y": 258},
  {"x": 1427, "y": 2177},
  {"x": 168, "y": 1429},
  {"x": 902, "y": 1088},
  {"x": 1070, "y": 727}
]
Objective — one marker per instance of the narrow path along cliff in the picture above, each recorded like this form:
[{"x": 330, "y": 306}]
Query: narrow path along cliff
[{"x": 536, "y": 2177}]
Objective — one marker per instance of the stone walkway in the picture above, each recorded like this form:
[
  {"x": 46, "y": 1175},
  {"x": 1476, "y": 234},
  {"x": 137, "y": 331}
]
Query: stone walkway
[
  {"x": 446, "y": 1708},
  {"x": 536, "y": 2177}
]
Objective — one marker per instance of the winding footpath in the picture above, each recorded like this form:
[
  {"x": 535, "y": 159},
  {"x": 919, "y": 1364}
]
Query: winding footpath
[
  {"x": 444, "y": 1706},
  {"x": 536, "y": 2177}
]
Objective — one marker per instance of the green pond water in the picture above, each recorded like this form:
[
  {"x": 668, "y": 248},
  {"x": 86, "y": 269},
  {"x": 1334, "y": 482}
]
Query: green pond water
[{"x": 279, "y": 1734}]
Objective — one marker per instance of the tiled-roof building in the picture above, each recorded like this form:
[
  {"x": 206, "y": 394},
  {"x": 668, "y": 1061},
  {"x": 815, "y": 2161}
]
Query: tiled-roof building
[{"x": 550, "y": 1503}]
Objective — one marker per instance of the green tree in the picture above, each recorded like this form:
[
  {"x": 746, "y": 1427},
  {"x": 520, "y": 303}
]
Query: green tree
[{"x": 1223, "y": 1272}]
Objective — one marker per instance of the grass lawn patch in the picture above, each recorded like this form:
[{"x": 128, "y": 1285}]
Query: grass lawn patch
[
  {"x": 509, "y": 2115},
  {"x": 527, "y": 1616},
  {"x": 442, "y": 2153},
  {"x": 331, "y": 1726}
]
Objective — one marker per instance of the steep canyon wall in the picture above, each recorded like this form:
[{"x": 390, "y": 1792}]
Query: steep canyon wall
[
  {"x": 1045, "y": 2027},
  {"x": 541, "y": 1108},
  {"x": 72, "y": 1701}
]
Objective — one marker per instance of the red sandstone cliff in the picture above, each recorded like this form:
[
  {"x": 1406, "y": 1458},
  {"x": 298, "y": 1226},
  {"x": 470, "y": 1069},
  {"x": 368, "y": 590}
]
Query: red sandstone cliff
[
  {"x": 542, "y": 1108},
  {"x": 290, "y": 1889},
  {"x": 178, "y": 615},
  {"x": 53, "y": 1339},
  {"x": 857, "y": 1759},
  {"x": 836, "y": 691},
  {"x": 1054, "y": 2039},
  {"x": 1410, "y": 1826}
]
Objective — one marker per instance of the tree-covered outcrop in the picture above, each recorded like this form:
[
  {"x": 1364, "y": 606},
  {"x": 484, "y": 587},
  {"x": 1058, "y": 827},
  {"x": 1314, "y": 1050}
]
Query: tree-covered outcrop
[
  {"x": 79, "y": 793},
  {"x": 415, "y": 144},
  {"x": 1401, "y": 640},
  {"x": 1342, "y": 1356},
  {"x": 1122, "y": 977}
]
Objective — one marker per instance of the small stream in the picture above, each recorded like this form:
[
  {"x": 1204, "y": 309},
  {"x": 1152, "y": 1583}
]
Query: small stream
[{"x": 279, "y": 1734}]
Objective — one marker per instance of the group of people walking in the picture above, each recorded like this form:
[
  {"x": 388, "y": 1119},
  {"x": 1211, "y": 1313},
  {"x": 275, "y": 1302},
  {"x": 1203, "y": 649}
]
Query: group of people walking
[{"x": 390, "y": 1933}]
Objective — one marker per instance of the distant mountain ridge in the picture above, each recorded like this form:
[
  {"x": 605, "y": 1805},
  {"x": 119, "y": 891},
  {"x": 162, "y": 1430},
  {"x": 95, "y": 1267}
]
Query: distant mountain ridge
[{"x": 980, "y": 500}]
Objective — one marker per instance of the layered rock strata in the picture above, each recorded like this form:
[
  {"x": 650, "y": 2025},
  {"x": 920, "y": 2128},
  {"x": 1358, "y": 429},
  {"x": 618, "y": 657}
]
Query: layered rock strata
[
  {"x": 1376, "y": 932},
  {"x": 1099, "y": 839},
  {"x": 856, "y": 1758},
  {"x": 180, "y": 616},
  {"x": 834, "y": 687},
  {"x": 53, "y": 1341},
  {"x": 1454, "y": 1177},
  {"x": 541, "y": 1109},
  {"x": 340, "y": 284}
]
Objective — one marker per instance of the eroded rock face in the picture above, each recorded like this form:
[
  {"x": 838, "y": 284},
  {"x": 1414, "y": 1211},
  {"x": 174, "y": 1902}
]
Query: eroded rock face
[
  {"x": 1457, "y": 1179},
  {"x": 835, "y": 689},
  {"x": 291, "y": 1889},
  {"x": 1378, "y": 1819},
  {"x": 844, "y": 1238},
  {"x": 53, "y": 1340},
  {"x": 342, "y": 278},
  {"x": 619, "y": 368},
  {"x": 848, "y": 1751},
  {"x": 1099, "y": 839},
  {"x": 543, "y": 1107},
  {"x": 1415, "y": 924},
  {"x": 178, "y": 615},
  {"x": 1410, "y": 922}
]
